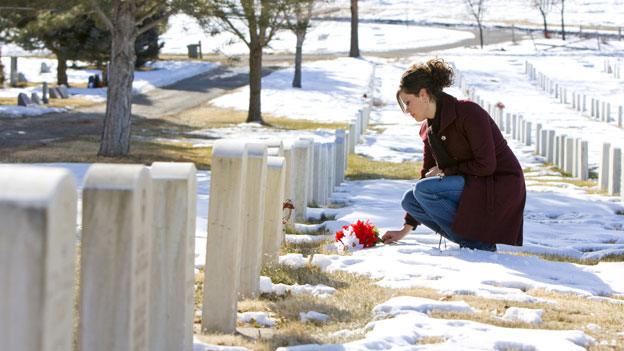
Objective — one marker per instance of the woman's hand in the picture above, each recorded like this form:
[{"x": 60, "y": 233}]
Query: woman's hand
[
  {"x": 394, "y": 235},
  {"x": 434, "y": 171}
]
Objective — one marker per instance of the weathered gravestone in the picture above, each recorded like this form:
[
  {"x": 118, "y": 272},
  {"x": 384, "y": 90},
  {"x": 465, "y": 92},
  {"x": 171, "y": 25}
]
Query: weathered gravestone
[
  {"x": 54, "y": 93},
  {"x": 44, "y": 68},
  {"x": 34, "y": 97},
  {"x": 21, "y": 78},
  {"x": 45, "y": 92},
  {"x": 23, "y": 100},
  {"x": 37, "y": 258},
  {"x": 115, "y": 258},
  {"x": 62, "y": 89}
]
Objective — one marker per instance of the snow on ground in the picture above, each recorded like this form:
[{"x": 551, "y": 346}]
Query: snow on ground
[
  {"x": 261, "y": 318},
  {"x": 161, "y": 73},
  {"x": 313, "y": 316},
  {"x": 526, "y": 315},
  {"x": 405, "y": 330},
  {"x": 519, "y": 12},
  {"x": 322, "y": 37},
  {"x": 330, "y": 90}
]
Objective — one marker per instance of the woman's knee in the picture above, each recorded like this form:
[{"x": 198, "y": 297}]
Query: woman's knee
[
  {"x": 408, "y": 200},
  {"x": 425, "y": 186}
]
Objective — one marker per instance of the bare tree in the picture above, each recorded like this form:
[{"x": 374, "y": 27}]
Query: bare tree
[
  {"x": 562, "y": 23},
  {"x": 477, "y": 9},
  {"x": 302, "y": 13},
  {"x": 355, "y": 45},
  {"x": 544, "y": 7},
  {"x": 260, "y": 18},
  {"x": 124, "y": 19}
]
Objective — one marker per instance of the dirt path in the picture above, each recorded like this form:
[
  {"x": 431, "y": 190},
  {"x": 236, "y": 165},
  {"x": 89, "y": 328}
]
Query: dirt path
[{"x": 173, "y": 99}]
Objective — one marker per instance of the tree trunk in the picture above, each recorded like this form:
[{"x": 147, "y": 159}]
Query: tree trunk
[
  {"x": 562, "y": 24},
  {"x": 255, "y": 83},
  {"x": 61, "y": 70},
  {"x": 117, "y": 122},
  {"x": 480, "y": 34},
  {"x": 298, "y": 59},
  {"x": 355, "y": 47},
  {"x": 545, "y": 24}
]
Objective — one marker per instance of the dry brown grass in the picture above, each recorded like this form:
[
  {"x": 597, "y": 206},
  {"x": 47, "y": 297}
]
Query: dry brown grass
[
  {"x": 349, "y": 308},
  {"x": 85, "y": 150},
  {"x": 360, "y": 167}
]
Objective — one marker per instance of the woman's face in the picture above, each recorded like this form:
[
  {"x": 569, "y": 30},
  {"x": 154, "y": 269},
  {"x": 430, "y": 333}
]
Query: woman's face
[{"x": 416, "y": 105}]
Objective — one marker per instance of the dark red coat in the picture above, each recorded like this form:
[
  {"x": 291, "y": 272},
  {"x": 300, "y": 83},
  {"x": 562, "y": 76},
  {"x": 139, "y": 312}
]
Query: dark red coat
[{"x": 491, "y": 207}]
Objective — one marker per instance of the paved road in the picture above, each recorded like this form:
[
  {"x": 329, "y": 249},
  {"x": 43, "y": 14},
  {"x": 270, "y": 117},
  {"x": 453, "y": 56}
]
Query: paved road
[{"x": 180, "y": 96}]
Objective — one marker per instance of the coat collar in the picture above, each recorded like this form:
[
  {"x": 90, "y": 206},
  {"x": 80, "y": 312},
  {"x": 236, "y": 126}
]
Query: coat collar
[
  {"x": 449, "y": 112},
  {"x": 447, "y": 115}
]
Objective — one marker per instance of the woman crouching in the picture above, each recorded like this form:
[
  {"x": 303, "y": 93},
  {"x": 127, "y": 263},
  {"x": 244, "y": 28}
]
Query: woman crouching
[{"x": 472, "y": 188}]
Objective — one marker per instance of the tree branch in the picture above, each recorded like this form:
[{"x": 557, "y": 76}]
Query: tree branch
[
  {"x": 98, "y": 10},
  {"x": 154, "y": 23}
]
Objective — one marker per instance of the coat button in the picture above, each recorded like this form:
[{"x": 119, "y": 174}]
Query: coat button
[{"x": 443, "y": 138}]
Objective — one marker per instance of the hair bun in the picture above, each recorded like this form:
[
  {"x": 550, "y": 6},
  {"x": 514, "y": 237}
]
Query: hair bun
[{"x": 441, "y": 74}]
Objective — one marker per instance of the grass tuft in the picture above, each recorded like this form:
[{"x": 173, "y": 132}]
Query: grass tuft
[{"x": 361, "y": 168}]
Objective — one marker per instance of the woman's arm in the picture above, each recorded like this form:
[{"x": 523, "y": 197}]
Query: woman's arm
[{"x": 394, "y": 235}]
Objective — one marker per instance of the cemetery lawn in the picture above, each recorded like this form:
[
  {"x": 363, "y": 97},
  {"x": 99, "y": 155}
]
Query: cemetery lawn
[
  {"x": 360, "y": 168},
  {"x": 349, "y": 308},
  {"x": 71, "y": 103},
  {"x": 84, "y": 150}
]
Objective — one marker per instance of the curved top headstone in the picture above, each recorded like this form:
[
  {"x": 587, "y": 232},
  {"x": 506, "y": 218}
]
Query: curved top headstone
[
  {"x": 275, "y": 162},
  {"x": 114, "y": 176},
  {"x": 229, "y": 148},
  {"x": 173, "y": 170},
  {"x": 256, "y": 149},
  {"x": 32, "y": 185}
]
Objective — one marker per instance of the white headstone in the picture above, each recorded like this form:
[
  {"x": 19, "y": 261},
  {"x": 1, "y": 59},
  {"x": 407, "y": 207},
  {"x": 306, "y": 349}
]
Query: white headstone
[
  {"x": 603, "y": 176},
  {"x": 615, "y": 171},
  {"x": 223, "y": 247},
  {"x": 252, "y": 220},
  {"x": 115, "y": 258},
  {"x": 272, "y": 229},
  {"x": 37, "y": 258},
  {"x": 172, "y": 278},
  {"x": 302, "y": 177}
]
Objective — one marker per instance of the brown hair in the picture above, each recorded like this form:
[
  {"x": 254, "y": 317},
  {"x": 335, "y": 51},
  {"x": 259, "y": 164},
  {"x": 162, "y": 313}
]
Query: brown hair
[{"x": 433, "y": 75}]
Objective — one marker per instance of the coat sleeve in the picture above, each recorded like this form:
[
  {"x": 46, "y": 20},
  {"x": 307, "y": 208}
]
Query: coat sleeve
[
  {"x": 428, "y": 160},
  {"x": 478, "y": 131}
]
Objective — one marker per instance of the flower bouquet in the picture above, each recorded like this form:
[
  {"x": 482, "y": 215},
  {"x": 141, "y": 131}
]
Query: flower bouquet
[{"x": 357, "y": 236}]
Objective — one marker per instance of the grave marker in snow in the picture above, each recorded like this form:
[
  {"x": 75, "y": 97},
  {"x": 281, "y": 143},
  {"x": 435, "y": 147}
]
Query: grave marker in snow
[
  {"x": 603, "y": 176},
  {"x": 34, "y": 97},
  {"x": 37, "y": 253},
  {"x": 301, "y": 178},
  {"x": 23, "y": 100},
  {"x": 44, "y": 93},
  {"x": 615, "y": 171}
]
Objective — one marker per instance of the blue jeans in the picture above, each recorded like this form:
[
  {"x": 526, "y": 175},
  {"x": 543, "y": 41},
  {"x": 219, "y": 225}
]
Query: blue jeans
[{"x": 433, "y": 202}]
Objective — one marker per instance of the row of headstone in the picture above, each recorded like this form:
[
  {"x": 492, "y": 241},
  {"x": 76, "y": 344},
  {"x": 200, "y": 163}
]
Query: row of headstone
[
  {"x": 250, "y": 183},
  {"x": 610, "y": 174},
  {"x": 136, "y": 253},
  {"x": 567, "y": 153},
  {"x": 60, "y": 92},
  {"x": 592, "y": 107},
  {"x": 612, "y": 68}
]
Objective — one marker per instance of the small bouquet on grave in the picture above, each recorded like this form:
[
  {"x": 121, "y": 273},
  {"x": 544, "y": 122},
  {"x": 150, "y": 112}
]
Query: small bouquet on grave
[{"x": 357, "y": 236}]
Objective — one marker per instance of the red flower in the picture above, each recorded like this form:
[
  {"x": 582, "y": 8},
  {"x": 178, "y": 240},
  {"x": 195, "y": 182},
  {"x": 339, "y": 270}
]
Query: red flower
[{"x": 367, "y": 233}]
